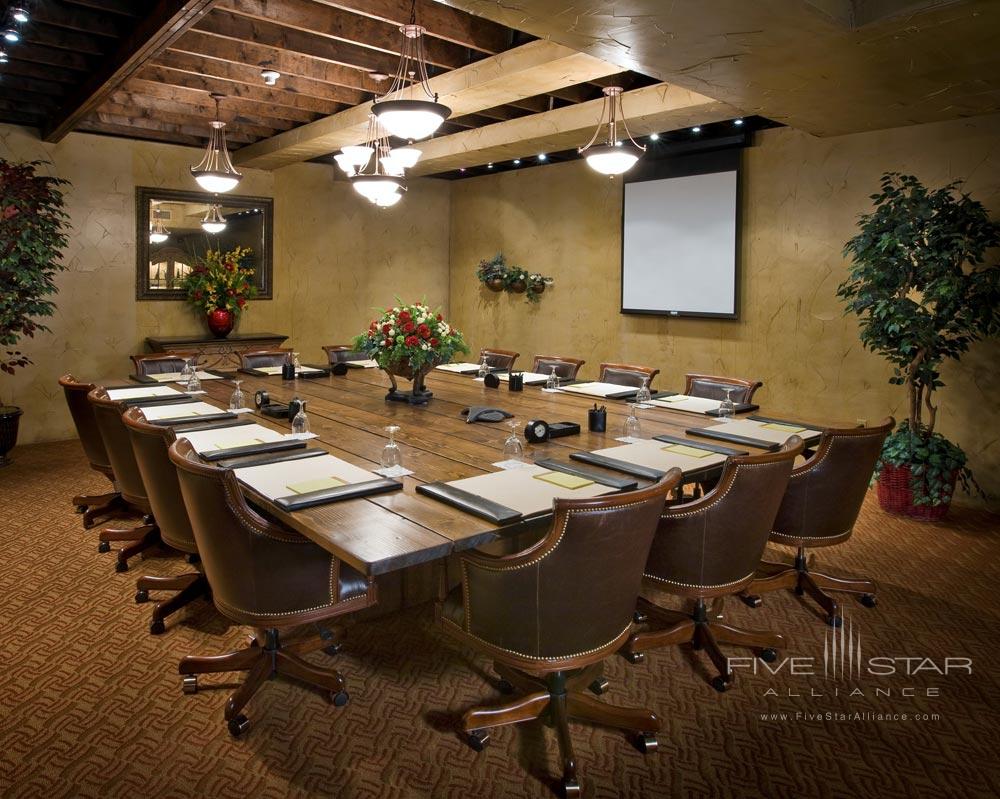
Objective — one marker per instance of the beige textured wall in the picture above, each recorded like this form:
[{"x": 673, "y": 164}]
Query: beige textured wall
[
  {"x": 802, "y": 196},
  {"x": 334, "y": 257}
]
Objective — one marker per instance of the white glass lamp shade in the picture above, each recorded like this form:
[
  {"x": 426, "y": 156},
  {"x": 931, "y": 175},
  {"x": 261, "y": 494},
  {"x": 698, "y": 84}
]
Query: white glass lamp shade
[
  {"x": 391, "y": 165},
  {"x": 213, "y": 222},
  {"x": 376, "y": 187},
  {"x": 357, "y": 155},
  {"x": 213, "y": 227},
  {"x": 388, "y": 200},
  {"x": 157, "y": 237},
  {"x": 406, "y": 157},
  {"x": 411, "y": 119},
  {"x": 216, "y": 182},
  {"x": 611, "y": 160},
  {"x": 216, "y": 173},
  {"x": 345, "y": 164}
]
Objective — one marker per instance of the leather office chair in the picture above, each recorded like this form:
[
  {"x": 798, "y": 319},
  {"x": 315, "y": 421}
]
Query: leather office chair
[
  {"x": 259, "y": 358},
  {"x": 150, "y": 443},
  {"x": 550, "y": 615},
  {"x": 566, "y": 368},
  {"x": 713, "y": 387},
  {"x": 338, "y": 353},
  {"x": 94, "y": 507},
  {"x": 159, "y": 364},
  {"x": 626, "y": 374},
  {"x": 709, "y": 549},
  {"x": 498, "y": 359},
  {"x": 265, "y": 576},
  {"x": 820, "y": 507},
  {"x": 108, "y": 414}
]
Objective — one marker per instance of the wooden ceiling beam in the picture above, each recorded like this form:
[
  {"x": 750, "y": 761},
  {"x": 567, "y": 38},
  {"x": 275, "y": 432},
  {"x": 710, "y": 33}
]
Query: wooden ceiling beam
[
  {"x": 195, "y": 96},
  {"x": 30, "y": 69},
  {"x": 52, "y": 56},
  {"x": 125, "y": 8},
  {"x": 90, "y": 22},
  {"x": 200, "y": 109},
  {"x": 61, "y": 39},
  {"x": 165, "y": 21},
  {"x": 344, "y": 26},
  {"x": 128, "y": 132},
  {"x": 32, "y": 85},
  {"x": 134, "y": 120},
  {"x": 129, "y": 107}
]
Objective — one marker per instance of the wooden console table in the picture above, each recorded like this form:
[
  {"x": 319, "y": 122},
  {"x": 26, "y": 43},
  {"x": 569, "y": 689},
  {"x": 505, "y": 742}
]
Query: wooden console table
[{"x": 216, "y": 353}]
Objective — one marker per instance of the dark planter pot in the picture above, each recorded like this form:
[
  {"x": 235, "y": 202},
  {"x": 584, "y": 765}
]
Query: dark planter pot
[
  {"x": 538, "y": 288},
  {"x": 496, "y": 284},
  {"x": 10, "y": 417},
  {"x": 220, "y": 322},
  {"x": 419, "y": 395},
  {"x": 519, "y": 287},
  {"x": 896, "y": 496}
]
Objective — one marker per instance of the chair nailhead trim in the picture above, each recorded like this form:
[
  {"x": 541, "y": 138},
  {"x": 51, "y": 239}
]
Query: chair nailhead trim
[
  {"x": 698, "y": 585},
  {"x": 535, "y": 657}
]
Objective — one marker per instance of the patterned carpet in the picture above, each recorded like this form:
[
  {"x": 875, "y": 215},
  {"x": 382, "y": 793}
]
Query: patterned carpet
[{"x": 91, "y": 706}]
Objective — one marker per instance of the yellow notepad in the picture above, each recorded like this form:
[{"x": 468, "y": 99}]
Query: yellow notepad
[
  {"x": 563, "y": 480},
  {"x": 315, "y": 485},
  {"x": 691, "y": 452},
  {"x": 247, "y": 442},
  {"x": 784, "y": 428}
]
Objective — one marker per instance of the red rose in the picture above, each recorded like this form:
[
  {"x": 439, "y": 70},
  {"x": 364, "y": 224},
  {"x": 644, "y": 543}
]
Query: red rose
[
  {"x": 241, "y": 302},
  {"x": 404, "y": 315},
  {"x": 423, "y": 331},
  {"x": 386, "y": 328},
  {"x": 440, "y": 318},
  {"x": 434, "y": 342},
  {"x": 198, "y": 295},
  {"x": 411, "y": 341},
  {"x": 230, "y": 292},
  {"x": 408, "y": 327}
]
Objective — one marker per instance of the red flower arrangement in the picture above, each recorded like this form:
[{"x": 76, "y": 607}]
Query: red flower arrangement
[{"x": 410, "y": 334}]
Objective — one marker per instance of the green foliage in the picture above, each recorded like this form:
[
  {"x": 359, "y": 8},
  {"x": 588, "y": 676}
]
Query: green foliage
[
  {"x": 920, "y": 284},
  {"x": 221, "y": 280},
  {"x": 32, "y": 238},
  {"x": 410, "y": 334},
  {"x": 493, "y": 269},
  {"x": 934, "y": 463},
  {"x": 496, "y": 268}
]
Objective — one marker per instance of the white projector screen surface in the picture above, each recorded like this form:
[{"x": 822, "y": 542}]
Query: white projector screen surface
[{"x": 679, "y": 245}]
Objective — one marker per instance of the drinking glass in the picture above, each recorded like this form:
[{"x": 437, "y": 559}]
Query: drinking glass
[
  {"x": 295, "y": 362},
  {"x": 300, "y": 424},
  {"x": 552, "y": 381},
  {"x": 512, "y": 449},
  {"x": 632, "y": 429},
  {"x": 392, "y": 457},
  {"x": 727, "y": 409},
  {"x": 643, "y": 395},
  {"x": 484, "y": 368},
  {"x": 236, "y": 399},
  {"x": 194, "y": 384},
  {"x": 187, "y": 371}
]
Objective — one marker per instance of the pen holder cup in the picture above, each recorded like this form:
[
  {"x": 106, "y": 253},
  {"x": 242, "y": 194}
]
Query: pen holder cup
[
  {"x": 515, "y": 383},
  {"x": 597, "y": 421},
  {"x": 288, "y": 371}
]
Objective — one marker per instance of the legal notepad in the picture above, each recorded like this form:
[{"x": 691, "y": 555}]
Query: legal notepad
[
  {"x": 182, "y": 410},
  {"x": 228, "y": 437},
  {"x": 682, "y": 402},
  {"x": 364, "y": 364},
  {"x": 175, "y": 377},
  {"x": 141, "y": 391},
  {"x": 595, "y": 389},
  {"x": 459, "y": 368}
]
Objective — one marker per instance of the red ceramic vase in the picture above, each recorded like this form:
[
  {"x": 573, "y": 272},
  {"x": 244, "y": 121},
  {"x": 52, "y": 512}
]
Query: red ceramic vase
[{"x": 220, "y": 322}]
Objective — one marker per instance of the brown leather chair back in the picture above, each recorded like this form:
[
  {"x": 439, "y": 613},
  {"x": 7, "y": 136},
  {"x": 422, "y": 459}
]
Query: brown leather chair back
[
  {"x": 150, "y": 443},
  {"x": 338, "y": 353},
  {"x": 258, "y": 358},
  {"x": 714, "y": 387},
  {"x": 261, "y": 573},
  {"x": 108, "y": 414},
  {"x": 627, "y": 374},
  {"x": 86, "y": 424},
  {"x": 159, "y": 364},
  {"x": 572, "y": 594},
  {"x": 498, "y": 359},
  {"x": 712, "y": 546},
  {"x": 566, "y": 368},
  {"x": 824, "y": 495}
]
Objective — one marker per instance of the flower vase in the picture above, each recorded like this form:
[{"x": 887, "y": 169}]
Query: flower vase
[
  {"x": 519, "y": 287},
  {"x": 220, "y": 322},
  {"x": 494, "y": 284},
  {"x": 418, "y": 395}
]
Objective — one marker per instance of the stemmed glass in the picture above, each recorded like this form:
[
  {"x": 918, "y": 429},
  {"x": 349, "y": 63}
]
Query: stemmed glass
[
  {"x": 236, "y": 399},
  {"x": 187, "y": 371},
  {"x": 552, "y": 381},
  {"x": 194, "y": 384},
  {"x": 392, "y": 457},
  {"x": 300, "y": 424},
  {"x": 727, "y": 409},
  {"x": 643, "y": 395},
  {"x": 484, "y": 368},
  {"x": 512, "y": 449},
  {"x": 295, "y": 362},
  {"x": 632, "y": 430}
]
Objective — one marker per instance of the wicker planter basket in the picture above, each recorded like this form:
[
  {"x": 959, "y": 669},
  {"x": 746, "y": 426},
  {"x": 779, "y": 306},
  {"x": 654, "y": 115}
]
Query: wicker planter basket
[{"x": 895, "y": 495}]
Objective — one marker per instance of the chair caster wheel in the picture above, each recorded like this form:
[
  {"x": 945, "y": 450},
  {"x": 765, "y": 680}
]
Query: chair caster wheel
[
  {"x": 505, "y": 687},
  {"x": 570, "y": 788},
  {"x": 104, "y": 546},
  {"x": 192, "y": 558},
  {"x": 477, "y": 739},
  {"x": 835, "y": 621},
  {"x": 80, "y": 508},
  {"x": 190, "y": 684},
  {"x": 799, "y": 590},
  {"x": 238, "y": 725},
  {"x": 157, "y": 627},
  {"x": 142, "y": 595},
  {"x": 635, "y": 657},
  {"x": 869, "y": 600},
  {"x": 768, "y": 655},
  {"x": 599, "y": 686},
  {"x": 332, "y": 649},
  {"x": 752, "y": 601},
  {"x": 639, "y": 618},
  {"x": 121, "y": 566},
  {"x": 720, "y": 684},
  {"x": 646, "y": 742},
  {"x": 340, "y": 698}
]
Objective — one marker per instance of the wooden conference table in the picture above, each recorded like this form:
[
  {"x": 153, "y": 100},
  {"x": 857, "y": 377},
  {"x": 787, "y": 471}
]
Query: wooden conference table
[{"x": 383, "y": 533}]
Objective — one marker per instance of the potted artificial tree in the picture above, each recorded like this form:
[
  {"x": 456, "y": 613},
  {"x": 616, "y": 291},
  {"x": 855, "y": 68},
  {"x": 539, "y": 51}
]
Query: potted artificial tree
[
  {"x": 924, "y": 293},
  {"x": 32, "y": 222}
]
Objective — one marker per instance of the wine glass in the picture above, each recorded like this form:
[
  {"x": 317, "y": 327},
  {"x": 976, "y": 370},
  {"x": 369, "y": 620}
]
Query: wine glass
[
  {"x": 643, "y": 395},
  {"x": 187, "y": 371},
  {"x": 300, "y": 424},
  {"x": 237, "y": 400},
  {"x": 484, "y": 368},
  {"x": 392, "y": 457},
  {"x": 632, "y": 429},
  {"x": 194, "y": 384},
  {"x": 295, "y": 362},
  {"x": 512, "y": 449},
  {"x": 552, "y": 381},
  {"x": 727, "y": 409}
]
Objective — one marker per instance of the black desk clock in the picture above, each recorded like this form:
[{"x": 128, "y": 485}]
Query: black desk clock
[{"x": 536, "y": 431}]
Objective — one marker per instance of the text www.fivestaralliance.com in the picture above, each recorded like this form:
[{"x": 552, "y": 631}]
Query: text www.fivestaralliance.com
[{"x": 859, "y": 716}]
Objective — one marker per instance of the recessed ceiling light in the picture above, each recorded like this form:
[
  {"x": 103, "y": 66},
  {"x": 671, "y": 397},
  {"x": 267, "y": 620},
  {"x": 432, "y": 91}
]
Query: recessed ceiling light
[
  {"x": 517, "y": 162},
  {"x": 737, "y": 121},
  {"x": 696, "y": 129},
  {"x": 19, "y": 14},
  {"x": 461, "y": 169},
  {"x": 270, "y": 76},
  {"x": 542, "y": 157},
  {"x": 3, "y": 57},
  {"x": 654, "y": 136},
  {"x": 12, "y": 35},
  {"x": 489, "y": 165}
]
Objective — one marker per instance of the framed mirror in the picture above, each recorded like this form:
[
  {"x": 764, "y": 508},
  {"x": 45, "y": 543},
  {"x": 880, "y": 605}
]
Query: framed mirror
[{"x": 174, "y": 229}]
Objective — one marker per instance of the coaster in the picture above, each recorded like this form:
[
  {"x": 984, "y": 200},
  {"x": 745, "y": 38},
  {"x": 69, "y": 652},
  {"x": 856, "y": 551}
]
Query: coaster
[
  {"x": 551, "y": 391},
  {"x": 512, "y": 464},
  {"x": 628, "y": 440},
  {"x": 394, "y": 471},
  {"x": 300, "y": 436}
]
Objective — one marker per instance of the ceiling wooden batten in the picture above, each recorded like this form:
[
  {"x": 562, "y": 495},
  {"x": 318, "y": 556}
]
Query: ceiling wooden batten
[{"x": 524, "y": 72}]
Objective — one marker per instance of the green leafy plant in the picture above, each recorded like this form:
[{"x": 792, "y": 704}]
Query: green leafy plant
[
  {"x": 411, "y": 335},
  {"x": 32, "y": 238},
  {"x": 514, "y": 279},
  {"x": 493, "y": 269},
  {"x": 920, "y": 284},
  {"x": 221, "y": 280}
]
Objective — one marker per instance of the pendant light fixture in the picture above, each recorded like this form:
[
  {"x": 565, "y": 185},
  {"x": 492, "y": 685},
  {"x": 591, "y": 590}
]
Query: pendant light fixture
[
  {"x": 615, "y": 156},
  {"x": 216, "y": 173},
  {"x": 158, "y": 233},
  {"x": 213, "y": 222},
  {"x": 372, "y": 180},
  {"x": 407, "y": 118}
]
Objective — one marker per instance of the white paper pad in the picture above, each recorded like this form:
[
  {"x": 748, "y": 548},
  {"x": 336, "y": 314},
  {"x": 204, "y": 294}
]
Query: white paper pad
[
  {"x": 272, "y": 479},
  {"x": 276, "y": 370},
  {"x": 652, "y": 454},
  {"x": 181, "y": 409},
  {"x": 366, "y": 364},
  {"x": 175, "y": 377},
  {"x": 530, "y": 378},
  {"x": 459, "y": 368},
  {"x": 518, "y": 489},
  {"x": 225, "y": 437},
  {"x": 142, "y": 391},
  {"x": 681, "y": 402},
  {"x": 597, "y": 389},
  {"x": 751, "y": 429},
  {"x": 394, "y": 471},
  {"x": 512, "y": 464}
]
